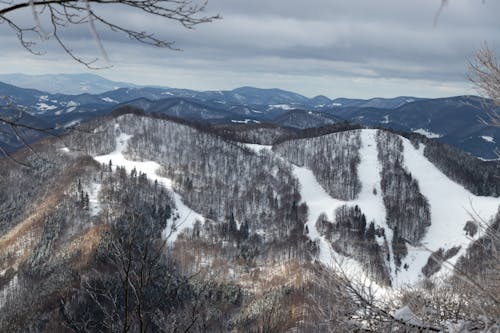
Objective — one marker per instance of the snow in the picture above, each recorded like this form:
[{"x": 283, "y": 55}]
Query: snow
[
  {"x": 336, "y": 104},
  {"x": 72, "y": 103},
  {"x": 319, "y": 201},
  {"x": 109, "y": 100},
  {"x": 406, "y": 315},
  {"x": 488, "y": 138},
  {"x": 72, "y": 123},
  {"x": 43, "y": 98},
  {"x": 386, "y": 119},
  {"x": 45, "y": 107},
  {"x": 94, "y": 204},
  {"x": 372, "y": 205},
  {"x": 186, "y": 216},
  {"x": 427, "y": 133},
  {"x": 257, "y": 148},
  {"x": 280, "y": 106},
  {"x": 246, "y": 121},
  {"x": 451, "y": 206}
]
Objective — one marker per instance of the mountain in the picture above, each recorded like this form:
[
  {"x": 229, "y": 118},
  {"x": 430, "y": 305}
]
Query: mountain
[
  {"x": 458, "y": 121},
  {"x": 454, "y": 120},
  {"x": 69, "y": 84},
  {"x": 251, "y": 229},
  {"x": 382, "y": 103},
  {"x": 303, "y": 119}
]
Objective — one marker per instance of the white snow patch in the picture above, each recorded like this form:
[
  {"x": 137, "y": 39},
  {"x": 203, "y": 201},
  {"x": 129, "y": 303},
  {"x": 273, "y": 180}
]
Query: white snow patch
[
  {"x": 336, "y": 104},
  {"x": 43, "y": 98},
  {"x": 109, "y": 100},
  {"x": 167, "y": 93},
  {"x": 45, "y": 107},
  {"x": 427, "y": 133},
  {"x": 246, "y": 121},
  {"x": 488, "y": 138},
  {"x": 257, "y": 148},
  {"x": 406, "y": 315},
  {"x": 280, "y": 106},
  {"x": 386, "y": 119},
  {"x": 72, "y": 123},
  {"x": 186, "y": 216},
  {"x": 72, "y": 103},
  {"x": 450, "y": 207},
  {"x": 94, "y": 204}
]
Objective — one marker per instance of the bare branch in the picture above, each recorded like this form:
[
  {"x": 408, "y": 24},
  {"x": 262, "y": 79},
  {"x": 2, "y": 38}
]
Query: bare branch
[
  {"x": 62, "y": 14},
  {"x": 484, "y": 73}
]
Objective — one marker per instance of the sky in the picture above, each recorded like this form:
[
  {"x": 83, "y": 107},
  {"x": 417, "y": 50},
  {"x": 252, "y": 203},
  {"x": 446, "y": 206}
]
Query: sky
[{"x": 337, "y": 48}]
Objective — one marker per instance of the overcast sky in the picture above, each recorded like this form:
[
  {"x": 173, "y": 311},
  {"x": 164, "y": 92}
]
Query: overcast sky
[{"x": 339, "y": 48}]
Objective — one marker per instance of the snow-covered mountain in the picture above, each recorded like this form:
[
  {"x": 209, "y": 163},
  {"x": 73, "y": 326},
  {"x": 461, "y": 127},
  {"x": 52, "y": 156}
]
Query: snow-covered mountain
[
  {"x": 237, "y": 208},
  {"x": 458, "y": 121}
]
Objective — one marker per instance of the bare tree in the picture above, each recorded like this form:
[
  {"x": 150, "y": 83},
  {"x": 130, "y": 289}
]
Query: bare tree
[
  {"x": 51, "y": 17},
  {"x": 484, "y": 73}
]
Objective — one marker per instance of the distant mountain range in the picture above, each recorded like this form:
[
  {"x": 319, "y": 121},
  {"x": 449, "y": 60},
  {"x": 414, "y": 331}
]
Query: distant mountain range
[
  {"x": 454, "y": 120},
  {"x": 70, "y": 84}
]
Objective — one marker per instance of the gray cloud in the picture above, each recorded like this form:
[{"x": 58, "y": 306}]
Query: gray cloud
[{"x": 356, "y": 48}]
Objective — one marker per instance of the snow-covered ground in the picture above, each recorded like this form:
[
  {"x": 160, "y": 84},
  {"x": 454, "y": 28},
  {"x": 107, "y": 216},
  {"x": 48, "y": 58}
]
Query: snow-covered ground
[
  {"x": 280, "y": 106},
  {"x": 246, "y": 121},
  {"x": 451, "y": 207},
  {"x": 427, "y": 133},
  {"x": 94, "y": 205},
  {"x": 109, "y": 100},
  {"x": 369, "y": 201},
  {"x": 186, "y": 216},
  {"x": 257, "y": 148},
  {"x": 45, "y": 107},
  {"x": 488, "y": 138}
]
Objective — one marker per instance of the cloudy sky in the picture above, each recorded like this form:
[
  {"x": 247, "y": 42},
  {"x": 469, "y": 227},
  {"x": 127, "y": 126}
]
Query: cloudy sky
[{"x": 339, "y": 48}]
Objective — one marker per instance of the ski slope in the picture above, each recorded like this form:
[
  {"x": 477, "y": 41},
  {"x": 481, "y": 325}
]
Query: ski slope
[
  {"x": 186, "y": 217},
  {"x": 370, "y": 203},
  {"x": 451, "y": 207}
]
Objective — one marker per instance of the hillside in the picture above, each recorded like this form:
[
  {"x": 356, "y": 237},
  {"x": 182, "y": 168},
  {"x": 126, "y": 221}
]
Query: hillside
[{"x": 254, "y": 224}]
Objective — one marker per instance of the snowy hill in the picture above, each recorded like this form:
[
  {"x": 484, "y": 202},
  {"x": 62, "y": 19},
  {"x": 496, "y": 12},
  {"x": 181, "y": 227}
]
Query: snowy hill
[
  {"x": 250, "y": 227},
  {"x": 410, "y": 201}
]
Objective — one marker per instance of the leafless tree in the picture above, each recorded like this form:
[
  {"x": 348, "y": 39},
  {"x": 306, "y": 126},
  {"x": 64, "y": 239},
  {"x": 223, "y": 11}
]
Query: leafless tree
[
  {"x": 51, "y": 17},
  {"x": 484, "y": 73}
]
